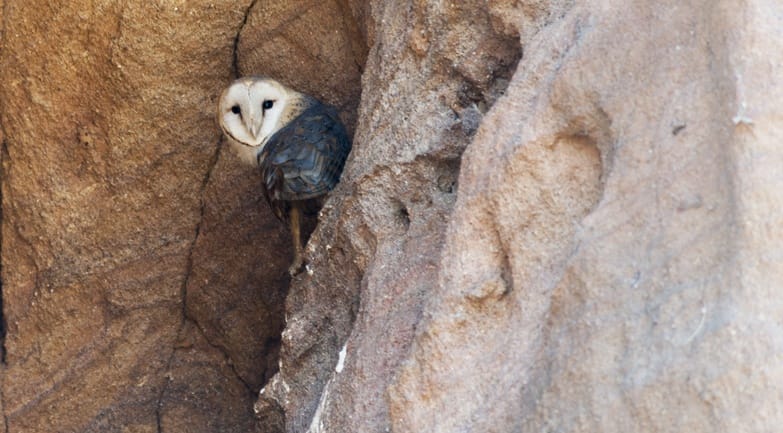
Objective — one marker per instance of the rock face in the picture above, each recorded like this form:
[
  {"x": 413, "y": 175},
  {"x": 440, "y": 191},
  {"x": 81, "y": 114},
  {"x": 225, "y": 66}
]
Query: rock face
[
  {"x": 581, "y": 238},
  {"x": 603, "y": 264},
  {"x": 140, "y": 281}
]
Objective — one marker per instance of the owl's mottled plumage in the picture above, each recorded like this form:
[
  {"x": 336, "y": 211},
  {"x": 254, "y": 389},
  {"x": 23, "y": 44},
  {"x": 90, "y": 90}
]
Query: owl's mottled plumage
[
  {"x": 305, "y": 158},
  {"x": 299, "y": 144}
]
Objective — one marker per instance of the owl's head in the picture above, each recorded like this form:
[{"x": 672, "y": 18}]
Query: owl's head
[{"x": 252, "y": 109}]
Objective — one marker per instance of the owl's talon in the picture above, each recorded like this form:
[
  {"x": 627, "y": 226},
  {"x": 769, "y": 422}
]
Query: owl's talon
[{"x": 296, "y": 267}]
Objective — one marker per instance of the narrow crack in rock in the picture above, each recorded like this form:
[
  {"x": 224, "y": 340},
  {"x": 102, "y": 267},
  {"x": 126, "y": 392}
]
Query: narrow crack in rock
[
  {"x": 183, "y": 289},
  {"x": 188, "y": 317},
  {"x": 165, "y": 387},
  {"x": 225, "y": 354},
  {"x": 3, "y": 324},
  {"x": 236, "y": 38},
  {"x": 189, "y": 265},
  {"x": 4, "y": 157}
]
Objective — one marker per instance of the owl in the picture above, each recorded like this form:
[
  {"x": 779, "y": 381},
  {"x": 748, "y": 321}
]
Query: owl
[{"x": 299, "y": 144}]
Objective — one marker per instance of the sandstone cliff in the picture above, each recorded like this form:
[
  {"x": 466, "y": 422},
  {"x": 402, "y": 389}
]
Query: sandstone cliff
[{"x": 558, "y": 215}]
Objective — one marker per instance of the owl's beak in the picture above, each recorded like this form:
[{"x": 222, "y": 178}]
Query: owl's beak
[{"x": 256, "y": 123}]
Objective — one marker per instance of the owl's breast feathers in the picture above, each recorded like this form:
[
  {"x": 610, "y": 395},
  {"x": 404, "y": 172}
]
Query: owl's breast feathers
[{"x": 305, "y": 158}]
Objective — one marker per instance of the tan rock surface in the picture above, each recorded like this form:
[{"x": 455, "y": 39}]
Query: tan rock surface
[
  {"x": 583, "y": 238},
  {"x": 108, "y": 114},
  {"x": 603, "y": 265}
]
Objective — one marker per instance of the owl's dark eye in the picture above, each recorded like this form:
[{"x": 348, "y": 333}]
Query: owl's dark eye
[
  {"x": 267, "y": 104},
  {"x": 236, "y": 110}
]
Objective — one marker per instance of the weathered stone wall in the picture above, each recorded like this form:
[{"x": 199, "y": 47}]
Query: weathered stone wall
[
  {"x": 558, "y": 215},
  {"x": 110, "y": 138},
  {"x": 436, "y": 68},
  {"x": 143, "y": 274}
]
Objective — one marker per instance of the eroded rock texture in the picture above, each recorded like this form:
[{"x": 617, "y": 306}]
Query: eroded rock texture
[
  {"x": 143, "y": 275},
  {"x": 602, "y": 265},
  {"x": 558, "y": 216},
  {"x": 590, "y": 277},
  {"x": 436, "y": 68}
]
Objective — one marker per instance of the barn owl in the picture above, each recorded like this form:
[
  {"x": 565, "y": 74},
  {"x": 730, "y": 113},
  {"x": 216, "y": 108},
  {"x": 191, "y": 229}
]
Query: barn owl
[{"x": 299, "y": 144}]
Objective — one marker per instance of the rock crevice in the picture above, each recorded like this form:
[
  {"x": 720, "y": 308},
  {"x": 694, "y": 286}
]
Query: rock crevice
[{"x": 546, "y": 201}]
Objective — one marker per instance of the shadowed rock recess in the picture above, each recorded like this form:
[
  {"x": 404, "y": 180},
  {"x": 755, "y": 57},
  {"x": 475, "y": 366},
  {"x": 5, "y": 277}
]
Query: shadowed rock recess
[{"x": 557, "y": 215}]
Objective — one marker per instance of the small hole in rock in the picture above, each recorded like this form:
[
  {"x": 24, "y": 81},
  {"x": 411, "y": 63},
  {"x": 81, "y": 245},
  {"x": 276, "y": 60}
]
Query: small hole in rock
[
  {"x": 677, "y": 129},
  {"x": 403, "y": 216}
]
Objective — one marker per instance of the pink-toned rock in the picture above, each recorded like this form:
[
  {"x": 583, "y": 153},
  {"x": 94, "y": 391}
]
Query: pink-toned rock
[
  {"x": 604, "y": 268},
  {"x": 378, "y": 246},
  {"x": 581, "y": 238},
  {"x": 590, "y": 278}
]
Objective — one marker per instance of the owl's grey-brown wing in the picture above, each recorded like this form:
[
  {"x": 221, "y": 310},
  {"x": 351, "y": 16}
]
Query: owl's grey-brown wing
[{"x": 305, "y": 158}]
